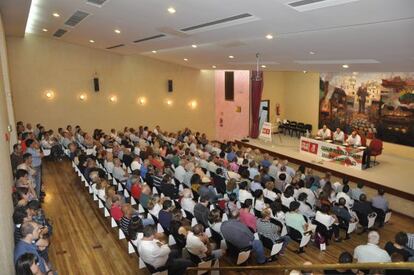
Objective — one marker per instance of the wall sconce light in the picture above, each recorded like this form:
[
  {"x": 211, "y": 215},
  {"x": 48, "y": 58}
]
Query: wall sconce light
[
  {"x": 142, "y": 100},
  {"x": 49, "y": 94},
  {"x": 193, "y": 104},
  {"x": 169, "y": 102},
  {"x": 82, "y": 97},
  {"x": 113, "y": 98}
]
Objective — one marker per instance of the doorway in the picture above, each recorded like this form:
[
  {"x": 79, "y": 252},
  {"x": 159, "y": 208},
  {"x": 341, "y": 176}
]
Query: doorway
[{"x": 264, "y": 112}]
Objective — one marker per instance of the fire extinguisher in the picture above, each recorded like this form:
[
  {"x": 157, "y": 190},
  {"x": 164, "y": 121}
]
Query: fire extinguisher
[
  {"x": 277, "y": 109},
  {"x": 221, "y": 122}
]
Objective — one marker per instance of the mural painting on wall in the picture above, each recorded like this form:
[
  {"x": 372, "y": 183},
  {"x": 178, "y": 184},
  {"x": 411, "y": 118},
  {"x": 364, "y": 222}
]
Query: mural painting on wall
[{"x": 374, "y": 104}]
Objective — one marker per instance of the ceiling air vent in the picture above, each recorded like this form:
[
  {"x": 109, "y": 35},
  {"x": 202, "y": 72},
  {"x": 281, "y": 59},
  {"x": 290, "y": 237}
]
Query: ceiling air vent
[
  {"x": 76, "y": 18},
  {"x": 307, "y": 5},
  {"x": 149, "y": 38},
  {"x": 98, "y": 3},
  {"x": 116, "y": 46},
  {"x": 59, "y": 33},
  {"x": 222, "y": 23}
]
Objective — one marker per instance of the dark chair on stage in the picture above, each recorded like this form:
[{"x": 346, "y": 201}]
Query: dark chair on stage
[
  {"x": 376, "y": 149},
  {"x": 308, "y": 127},
  {"x": 292, "y": 127}
]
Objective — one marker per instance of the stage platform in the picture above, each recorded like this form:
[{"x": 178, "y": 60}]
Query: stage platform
[{"x": 395, "y": 174}]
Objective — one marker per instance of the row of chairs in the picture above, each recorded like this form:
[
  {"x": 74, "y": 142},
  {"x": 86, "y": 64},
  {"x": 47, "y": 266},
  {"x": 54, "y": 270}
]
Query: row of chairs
[
  {"x": 133, "y": 244},
  {"x": 294, "y": 127}
]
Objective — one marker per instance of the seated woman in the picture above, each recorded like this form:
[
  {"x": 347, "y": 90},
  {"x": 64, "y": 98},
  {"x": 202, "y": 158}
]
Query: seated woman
[
  {"x": 401, "y": 241},
  {"x": 330, "y": 221},
  {"x": 344, "y": 258},
  {"x": 215, "y": 219}
]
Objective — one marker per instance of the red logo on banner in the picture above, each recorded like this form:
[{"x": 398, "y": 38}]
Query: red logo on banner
[
  {"x": 309, "y": 147},
  {"x": 265, "y": 131}
]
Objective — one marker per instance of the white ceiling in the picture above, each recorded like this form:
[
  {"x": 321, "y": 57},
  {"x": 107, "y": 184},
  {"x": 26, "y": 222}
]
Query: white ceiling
[{"x": 369, "y": 35}]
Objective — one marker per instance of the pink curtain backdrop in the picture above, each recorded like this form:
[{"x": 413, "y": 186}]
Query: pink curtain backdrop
[
  {"x": 232, "y": 124},
  {"x": 256, "y": 97}
]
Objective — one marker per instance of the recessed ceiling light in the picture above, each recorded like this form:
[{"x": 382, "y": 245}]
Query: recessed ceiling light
[
  {"x": 263, "y": 66},
  {"x": 345, "y": 66},
  {"x": 269, "y": 36},
  {"x": 185, "y": 59},
  {"x": 91, "y": 41},
  {"x": 214, "y": 66},
  {"x": 231, "y": 57},
  {"x": 154, "y": 51},
  {"x": 117, "y": 31},
  {"x": 194, "y": 46},
  {"x": 171, "y": 10},
  {"x": 55, "y": 14},
  {"x": 45, "y": 30},
  {"x": 312, "y": 53}
]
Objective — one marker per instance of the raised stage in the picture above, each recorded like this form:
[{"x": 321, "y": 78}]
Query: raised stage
[{"x": 395, "y": 174}]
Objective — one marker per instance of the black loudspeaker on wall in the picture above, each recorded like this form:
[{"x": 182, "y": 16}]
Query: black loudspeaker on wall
[
  {"x": 170, "y": 86},
  {"x": 96, "y": 84}
]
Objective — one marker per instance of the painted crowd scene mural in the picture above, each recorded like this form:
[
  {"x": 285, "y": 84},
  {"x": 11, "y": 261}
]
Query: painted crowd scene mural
[{"x": 374, "y": 104}]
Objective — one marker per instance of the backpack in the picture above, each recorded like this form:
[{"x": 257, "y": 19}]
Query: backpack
[{"x": 320, "y": 241}]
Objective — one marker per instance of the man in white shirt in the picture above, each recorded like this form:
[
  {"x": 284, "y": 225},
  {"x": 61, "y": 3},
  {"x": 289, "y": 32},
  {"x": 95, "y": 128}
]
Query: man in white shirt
[
  {"x": 324, "y": 133},
  {"x": 151, "y": 250},
  {"x": 179, "y": 172},
  {"x": 136, "y": 163},
  {"x": 304, "y": 207},
  {"x": 198, "y": 243},
  {"x": 354, "y": 139},
  {"x": 371, "y": 252},
  {"x": 343, "y": 194},
  {"x": 158, "y": 254},
  {"x": 118, "y": 172},
  {"x": 338, "y": 135}
]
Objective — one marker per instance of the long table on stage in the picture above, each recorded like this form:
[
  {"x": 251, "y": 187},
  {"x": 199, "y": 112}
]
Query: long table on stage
[{"x": 328, "y": 150}]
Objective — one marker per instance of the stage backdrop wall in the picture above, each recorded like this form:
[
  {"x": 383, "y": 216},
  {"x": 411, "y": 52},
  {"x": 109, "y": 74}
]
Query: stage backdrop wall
[
  {"x": 38, "y": 64},
  {"x": 380, "y": 104}
]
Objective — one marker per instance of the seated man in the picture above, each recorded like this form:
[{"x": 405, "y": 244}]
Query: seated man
[
  {"x": 371, "y": 252},
  {"x": 354, "y": 139},
  {"x": 118, "y": 172},
  {"x": 380, "y": 205},
  {"x": 201, "y": 211},
  {"x": 199, "y": 245},
  {"x": 338, "y": 135},
  {"x": 241, "y": 237},
  {"x": 324, "y": 133},
  {"x": 155, "y": 252},
  {"x": 270, "y": 230},
  {"x": 343, "y": 214},
  {"x": 363, "y": 209},
  {"x": 344, "y": 195},
  {"x": 165, "y": 216},
  {"x": 305, "y": 208}
]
